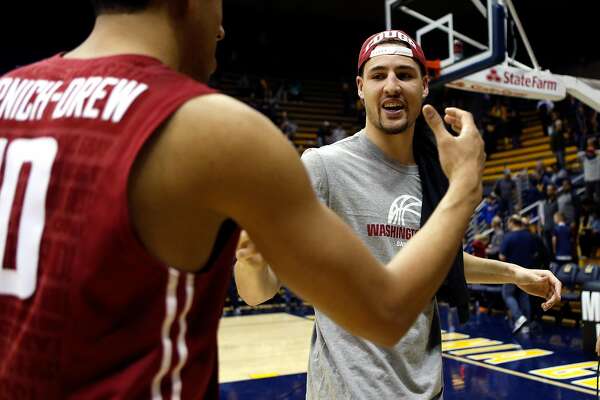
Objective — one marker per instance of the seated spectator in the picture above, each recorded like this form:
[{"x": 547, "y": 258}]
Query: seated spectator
[{"x": 561, "y": 240}]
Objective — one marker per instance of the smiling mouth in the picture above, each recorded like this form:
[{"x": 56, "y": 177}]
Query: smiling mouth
[{"x": 393, "y": 107}]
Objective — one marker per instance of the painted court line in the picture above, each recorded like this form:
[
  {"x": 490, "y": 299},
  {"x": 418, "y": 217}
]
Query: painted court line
[{"x": 519, "y": 374}]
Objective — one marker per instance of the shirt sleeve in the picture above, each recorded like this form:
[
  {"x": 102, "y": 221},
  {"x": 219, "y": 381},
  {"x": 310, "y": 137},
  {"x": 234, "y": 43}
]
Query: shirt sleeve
[{"x": 313, "y": 162}]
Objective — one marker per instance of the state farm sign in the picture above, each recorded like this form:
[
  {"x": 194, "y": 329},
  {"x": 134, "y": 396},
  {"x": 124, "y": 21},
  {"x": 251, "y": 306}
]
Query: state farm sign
[{"x": 507, "y": 81}]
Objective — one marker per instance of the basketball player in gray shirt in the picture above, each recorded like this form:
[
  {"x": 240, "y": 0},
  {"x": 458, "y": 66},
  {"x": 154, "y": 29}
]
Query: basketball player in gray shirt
[{"x": 372, "y": 182}]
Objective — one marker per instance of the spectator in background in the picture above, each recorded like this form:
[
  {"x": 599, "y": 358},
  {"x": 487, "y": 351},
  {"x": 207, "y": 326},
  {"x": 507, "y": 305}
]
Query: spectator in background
[
  {"x": 499, "y": 117},
  {"x": 542, "y": 260},
  {"x": 561, "y": 240},
  {"x": 522, "y": 187},
  {"x": 545, "y": 107},
  {"x": 557, "y": 139},
  {"x": 557, "y": 174},
  {"x": 489, "y": 134},
  {"x": 542, "y": 254},
  {"x": 497, "y": 236},
  {"x": 263, "y": 90},
  {"x": 569, "y": 204},
  {"x": 338, "y": 133},
  {"x": 489, "y": 209},
  {"x": 549, "y": 208},
  {"x": 323, "y": 133},
  {"x": 281, "y": 94},
  {"x": 518, "y": 247},
  {"x": 513, "y": 127},
  {"x": 479, "y": 245},
  {"x": 543, "y": 173},
  {"x": 589, "y": 229},
  {"x": 506, "y": 188},
  {"x": 295, "y": 91},
  {"x": 590, "y": 158},
  {"x": 581, "y": 126},
  {"x": 535, "y": 192},
  {"x": 287, "y": 126}
]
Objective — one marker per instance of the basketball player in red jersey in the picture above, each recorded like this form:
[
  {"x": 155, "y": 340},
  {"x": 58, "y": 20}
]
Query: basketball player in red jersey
[{"x": 121, "y": 176}]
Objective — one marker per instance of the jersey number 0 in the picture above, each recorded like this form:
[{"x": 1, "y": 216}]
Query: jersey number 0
[{"x": 40, "y": 153}]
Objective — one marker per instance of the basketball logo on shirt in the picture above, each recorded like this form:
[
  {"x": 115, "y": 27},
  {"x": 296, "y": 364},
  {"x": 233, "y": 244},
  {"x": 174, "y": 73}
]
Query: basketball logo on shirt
[{"x": 403, "y": 205}]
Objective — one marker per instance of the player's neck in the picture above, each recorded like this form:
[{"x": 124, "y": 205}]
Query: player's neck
[
  {"x": 143, "y": 33},
  {"x": 398, "y": 147}
]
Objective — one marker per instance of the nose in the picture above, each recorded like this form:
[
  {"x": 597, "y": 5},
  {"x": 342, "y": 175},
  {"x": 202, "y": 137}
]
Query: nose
[
  {"x": 392, "y": 85},
  {"x": 221, "y": 34}
]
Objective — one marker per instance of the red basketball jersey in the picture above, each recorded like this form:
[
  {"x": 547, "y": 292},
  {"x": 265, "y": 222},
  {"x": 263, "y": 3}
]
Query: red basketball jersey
[{"x": 85, "y": 311}]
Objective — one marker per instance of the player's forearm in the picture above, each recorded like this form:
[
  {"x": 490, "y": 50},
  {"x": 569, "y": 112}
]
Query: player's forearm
[
  {"x": 255, "y": 285},
  {"x": 483, "y": 270}
]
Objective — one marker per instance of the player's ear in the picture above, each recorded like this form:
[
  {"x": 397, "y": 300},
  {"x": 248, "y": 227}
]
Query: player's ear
[
  {"x": 359, "y": 87},
  {"x": 425, "y": 86}
]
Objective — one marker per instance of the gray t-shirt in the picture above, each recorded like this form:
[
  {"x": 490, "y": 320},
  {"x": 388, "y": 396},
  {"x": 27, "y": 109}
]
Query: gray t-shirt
[
  {"x": 381, "y": 200},
  {"x": 591, "y": 167}
]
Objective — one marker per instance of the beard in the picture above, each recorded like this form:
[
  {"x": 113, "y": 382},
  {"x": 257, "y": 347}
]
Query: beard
[{"x": 393, "y": 127}]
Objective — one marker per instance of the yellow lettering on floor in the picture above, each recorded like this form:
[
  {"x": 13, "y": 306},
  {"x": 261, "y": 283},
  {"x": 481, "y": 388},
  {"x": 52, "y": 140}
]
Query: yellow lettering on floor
[
  {"x": 466, "y": 343},
  {"x": 263, "y": 376},
  {"x": 509, "y": 356},
  {"x": 568, "y": 371},
  {"x": 588, "y": 382},
  {"x": 487, "y": 349},
  {"x": 454, "y": 336}
]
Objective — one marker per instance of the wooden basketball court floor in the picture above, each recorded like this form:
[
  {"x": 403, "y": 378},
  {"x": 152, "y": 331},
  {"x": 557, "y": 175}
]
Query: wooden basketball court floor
[{"x": 265, "y": 356}]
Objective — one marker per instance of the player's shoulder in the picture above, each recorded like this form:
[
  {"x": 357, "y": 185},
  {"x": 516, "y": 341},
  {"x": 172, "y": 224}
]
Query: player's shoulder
[
  {"x": 215, "y": 130},
  {"x": 335, "y": 151},
  {"x": 219, "y": 119}
]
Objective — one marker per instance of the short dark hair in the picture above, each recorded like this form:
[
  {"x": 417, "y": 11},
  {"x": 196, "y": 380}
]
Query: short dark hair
[{"x": 129, "y": 6}]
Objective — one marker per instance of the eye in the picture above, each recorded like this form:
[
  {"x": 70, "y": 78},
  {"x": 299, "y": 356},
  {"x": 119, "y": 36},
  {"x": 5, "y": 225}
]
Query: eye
[
  {"x": 377, "y": 76},
  {"x": 405, "y": 76}
]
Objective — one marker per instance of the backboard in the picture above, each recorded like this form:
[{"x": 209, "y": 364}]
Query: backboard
[{"x": 465, "y": 36}]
